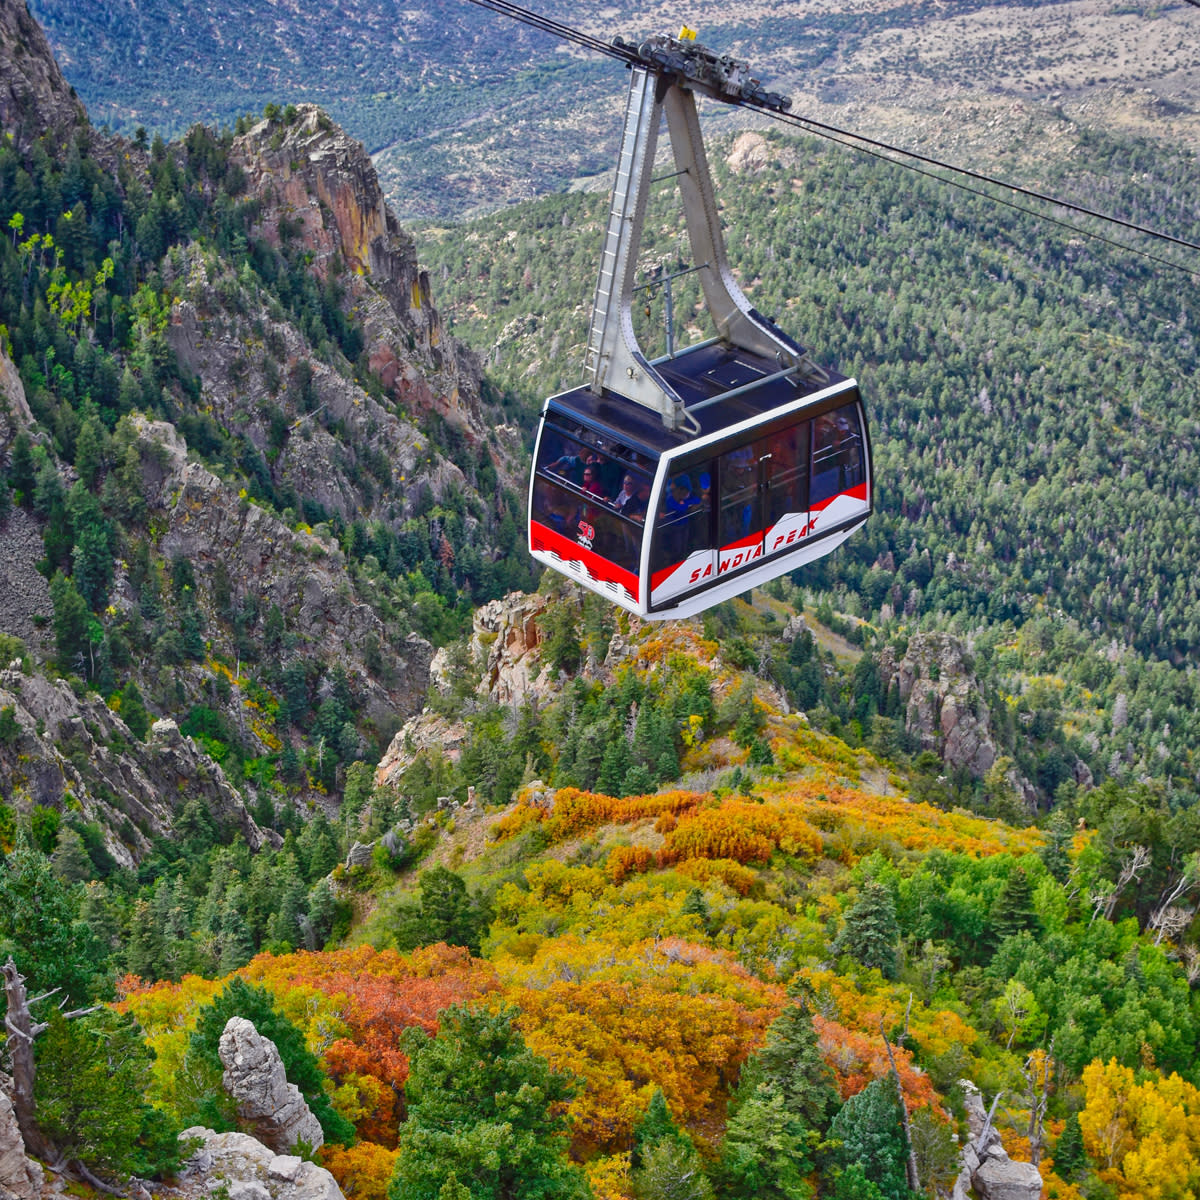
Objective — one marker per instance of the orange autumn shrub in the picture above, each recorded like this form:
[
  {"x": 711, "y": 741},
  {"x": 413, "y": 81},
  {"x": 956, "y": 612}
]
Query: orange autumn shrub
[
  {"x": 628, "y": 860},
  {"x": 742, "y": 832},
  {"x": 666, "y": 1013},
  {"x": 858, "y": 1058},
  {"x": 574, "y": 812},
  {"x": 733, "y": 875},
  {"x": 866, "y": 822},
  {"x": 621, "y": 1040},
  {"x": 716, "y": 833}
]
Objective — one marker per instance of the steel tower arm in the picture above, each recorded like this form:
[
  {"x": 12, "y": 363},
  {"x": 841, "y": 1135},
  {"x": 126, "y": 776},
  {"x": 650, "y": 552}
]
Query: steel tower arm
[{"x": 665, "y": 82}]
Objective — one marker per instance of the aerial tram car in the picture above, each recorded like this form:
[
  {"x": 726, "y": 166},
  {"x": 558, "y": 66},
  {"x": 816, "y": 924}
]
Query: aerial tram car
[{"x": 669, "y": 485}]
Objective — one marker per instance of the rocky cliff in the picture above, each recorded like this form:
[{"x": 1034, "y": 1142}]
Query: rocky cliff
[
  {"x": 319, "y": 191},
  {"x": 303, "y": 574},
  {"x": 943, "y": 704},
  {"x": 71, "y": 753},
  {"x": 35, "y": 99}
]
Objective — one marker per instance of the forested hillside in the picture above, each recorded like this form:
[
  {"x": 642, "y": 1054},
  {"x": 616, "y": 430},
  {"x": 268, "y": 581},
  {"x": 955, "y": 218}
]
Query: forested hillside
[
  {"x": 535, "y": 900},
  {"x": 1029, "y": 393}
]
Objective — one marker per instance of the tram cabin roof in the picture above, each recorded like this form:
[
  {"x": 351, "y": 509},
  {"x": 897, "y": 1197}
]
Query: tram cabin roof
[{"x": 699, "y": 375}]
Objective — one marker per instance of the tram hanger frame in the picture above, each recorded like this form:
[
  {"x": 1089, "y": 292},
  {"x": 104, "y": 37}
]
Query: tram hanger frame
[{"x": 661, "y": 84}]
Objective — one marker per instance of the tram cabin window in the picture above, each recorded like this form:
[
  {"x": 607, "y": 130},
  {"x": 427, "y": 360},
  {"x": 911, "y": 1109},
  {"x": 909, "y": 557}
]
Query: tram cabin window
[{"x": 593, "y": 497}]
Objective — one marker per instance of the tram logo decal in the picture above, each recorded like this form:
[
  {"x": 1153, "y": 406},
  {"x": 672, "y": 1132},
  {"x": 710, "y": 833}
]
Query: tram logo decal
[
  {"x": 550, "y": 541},
  {"x": 786, "y": 533}
]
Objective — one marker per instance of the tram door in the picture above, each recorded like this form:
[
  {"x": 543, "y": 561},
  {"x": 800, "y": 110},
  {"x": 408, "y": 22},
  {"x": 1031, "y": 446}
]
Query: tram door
[{"x": 764, "y": 497}]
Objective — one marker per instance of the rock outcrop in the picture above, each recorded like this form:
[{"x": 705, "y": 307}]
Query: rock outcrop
[
  {"x": 319, "y": 188},
  {"x": 944, "y": 707},
  {"x": 255, "y": 1078},
  {"x": 35, "y": 99},
  {"x": 14, "y": 407},
  {"x": 504, "y": 644},
  {"x": 505, "y": 667},
  {"x": 248, "y": 1170},
  {"x": 987, "y": 1171},
  {"x": 72, "y": 751},
  {"x": 305, "y": 575},
  {"x": 20, "y": 1176}
]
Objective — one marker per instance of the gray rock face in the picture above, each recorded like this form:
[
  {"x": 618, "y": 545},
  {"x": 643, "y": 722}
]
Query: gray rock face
[
  {"x": 250, "y": 1170},
  {"x": 987, "y": 1171},
  {"x": 943, "y": 704},
  {"x": 20, "y": 1176},
  {"x": 255, "y": 1078},
  {"x": 1003, "y": 1179},
  {"x": 303, "y": 574},
  {"x": 34, "y": 96},
  {"x": 137, "y": 790}
]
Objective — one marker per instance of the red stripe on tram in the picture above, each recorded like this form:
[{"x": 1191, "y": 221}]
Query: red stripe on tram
[
  {"x": 858, "y": 492},
  {"x": 543, "y": 538}
]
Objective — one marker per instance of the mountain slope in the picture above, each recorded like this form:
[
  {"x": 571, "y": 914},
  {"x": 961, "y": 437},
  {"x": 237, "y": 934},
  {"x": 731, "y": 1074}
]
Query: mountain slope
[
  {"x": 464, "y": 109},
  {"x": 229, "y": 410}
]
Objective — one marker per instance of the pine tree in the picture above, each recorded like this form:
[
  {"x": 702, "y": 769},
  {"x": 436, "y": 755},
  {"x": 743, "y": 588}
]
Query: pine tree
[
  {"x": 655, "y": 1125},
  {"x": 614, "y": 767},
  {"x": 22, "y": 472},
  {"x": 871, "y": 932},
  {"x": 671, "y": 1171},
  {"x": 765, "y": 1152},
  {"x": 483, "y": 1108},
  {"x": 1070, "y": 1157},
  {"x": 133, "y": 711},
  {"x": 1013, "y": 911},
  {"x": 70, "y": 623},
  {"x": 791, "y": 1062},
  {"x": 90, "y": 1088},
  {"x": 870, "y": 1129}
]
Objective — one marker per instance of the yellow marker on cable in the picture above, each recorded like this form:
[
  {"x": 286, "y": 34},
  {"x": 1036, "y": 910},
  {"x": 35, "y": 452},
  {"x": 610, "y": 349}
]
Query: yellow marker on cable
[{"x": 686, "y": 34}]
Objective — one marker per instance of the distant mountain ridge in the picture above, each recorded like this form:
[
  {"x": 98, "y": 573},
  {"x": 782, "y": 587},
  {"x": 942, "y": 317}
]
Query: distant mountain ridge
[{"x": 463, "y": 109}]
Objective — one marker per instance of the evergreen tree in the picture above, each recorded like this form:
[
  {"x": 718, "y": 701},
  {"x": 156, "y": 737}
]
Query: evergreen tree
[
  {"x": 656, "y": 1125},
  {"x": 90, "y": 1096},
  {"x": 70, "y": 860},
  {"x": 791, "y": 1063},
  {"x": 871, "y": 932},
  {"x": 671, "y": 1171},
  {"x": 1070, "y": 1157},
  {"x": 41, "y": 929},
  {"x": 133, "y": 711},
  {"x": 71, "y": 636},
  {"x": 1054, "y": 853},
  {"x": 614, "y": 767},
  {"x": 851, "y": 1183},
  {"x": 446, "y": 913},
  {"x": 1013, "y": 911},
  {"x": 870, "y": 1129},
  {"x": 482, "y": 1107},
  {"x": 765, "y": 1152},
  {"x": 22, "y": 474},
  {"x": 92, "y": 563}
]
